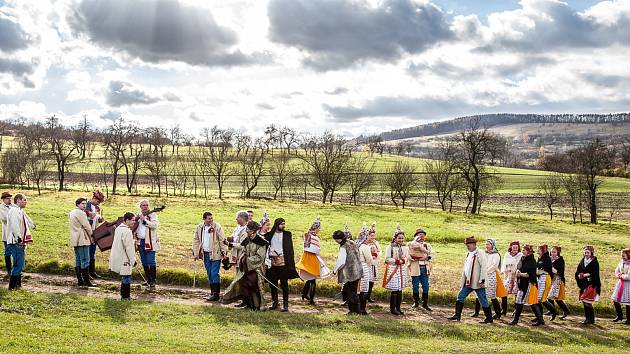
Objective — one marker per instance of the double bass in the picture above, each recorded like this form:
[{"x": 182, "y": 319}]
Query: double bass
[{"x": 104, "y": 234}]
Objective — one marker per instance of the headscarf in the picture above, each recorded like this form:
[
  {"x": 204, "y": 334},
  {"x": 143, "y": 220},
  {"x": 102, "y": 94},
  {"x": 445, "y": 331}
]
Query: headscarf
[
  {"x": 346, "y": 231},
  {"x": 363, "y": 235},
  {"x": 316, "y": 224},
  {"x": 98, "y": 195},
  {"x": 515, "y": 242},
  {"x": 398, "y": 232},
  {"x": 529, "y": 248},
  {"x": 626, "y": 251},
  {"x": 276, "y": 223},
  {"x": 265, "y": 219},
  {"x": 590, "y": 248},
  {"x": 493, "y": 242}
]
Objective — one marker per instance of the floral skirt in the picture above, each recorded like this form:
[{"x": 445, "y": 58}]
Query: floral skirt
[
  {"x": 544, "y": 286},
  {"x": 557, "y": 291},
  {"x": 529, "y": 297},
  {"x": 395, "y": 277}
]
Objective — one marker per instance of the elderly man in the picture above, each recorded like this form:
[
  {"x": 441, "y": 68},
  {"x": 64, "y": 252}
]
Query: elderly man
[
  {"x": 80, "y": 240},
  {"x": 238, "y": 235},
  {"x": 473, "y": 279},
  {"x": 148, "y": 241},
  {"x": 208, "y": 245}
]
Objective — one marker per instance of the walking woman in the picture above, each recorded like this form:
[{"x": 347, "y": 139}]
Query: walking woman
[
  {"x": 545, "y": 272},
  {"x": 365, "y": 257},
  {"x": 508, "y": 270},
  {"x": 395, "y": 276},
  {"x": 587, "y": 278},
  {"x": 558, "y": 283},
  {"x": 376, "y": 250},
  {"x": 621, "y": 295},
  {"x": 527, "y": 288},
  {"x": 312, "y": 267}
]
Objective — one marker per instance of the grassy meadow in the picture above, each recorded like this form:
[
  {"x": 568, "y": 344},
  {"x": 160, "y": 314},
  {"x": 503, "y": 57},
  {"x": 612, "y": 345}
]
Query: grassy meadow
[{"x": 446, "y": 231}]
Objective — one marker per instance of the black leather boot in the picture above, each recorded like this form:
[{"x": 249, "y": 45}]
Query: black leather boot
[
  {"x": 274, "y": 298},
  {"x": 399, "y": 297},
  {"x": 416, "y": 300},
  {"x": 497, "y": 309},
  {"x": 587, "y": 315},
  {"x": 363, "y": 303},
  {"x": 564, "y": 308},
  {"x": 488, "y": 313},
  {"x": 214, "y": 292},
  {"x": 549, "y": 306},
  {"x": 537, "y": 309},
  {"x": 369, "y": 295},
  {"x": 477, "y": 309},
  {"x": 153, "y": 279},
  {"x": 77, "y": 272},
  {"x": 459, "y": 306},
  {"x": 618, "y": 311},
  {"x": 19, "y": 281},
  {"x": 7, "y": 263},
  {"x": 518, "y": 309},
  {"x": 146, "y": 275},
  {"x": 393, "y": 299},
  {"x": 85, "y": 273},
  {"x": 627, "y": 321},
  {"x": 425, "y": 302},
  {"x": 504, "y": 305},
  {"x": 548, "y": 311},
  {"x": 306, "y": 289},
  {"x": 125, "y": 291},
  {"x": 12, "y": 282},
  {"x": 285, "y": 299},
  {"x": 311, "y": 293},
  {"x": 93, "y": 270}
]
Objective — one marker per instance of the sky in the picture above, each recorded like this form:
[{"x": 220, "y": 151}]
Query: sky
[{"x": 348, "y": 66}]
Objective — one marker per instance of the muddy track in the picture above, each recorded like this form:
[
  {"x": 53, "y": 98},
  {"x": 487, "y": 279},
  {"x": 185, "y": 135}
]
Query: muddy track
[{"x": 59, "y": 284}]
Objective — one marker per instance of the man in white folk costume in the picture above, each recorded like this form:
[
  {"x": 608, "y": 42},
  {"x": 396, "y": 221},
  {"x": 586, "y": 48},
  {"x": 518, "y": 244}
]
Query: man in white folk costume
[
  {"x": 209, "y": 246},
  {"x": 473, "y": 280},
  {"x": 5, "y": 206},
  {"x": 18, "y": 237},
  {"x": 122, "y": 257},
  {"x": 148, "y": 241}
]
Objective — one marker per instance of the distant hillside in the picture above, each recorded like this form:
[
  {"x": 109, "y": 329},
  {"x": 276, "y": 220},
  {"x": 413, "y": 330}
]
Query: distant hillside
[{"x": 502, "y": 119}]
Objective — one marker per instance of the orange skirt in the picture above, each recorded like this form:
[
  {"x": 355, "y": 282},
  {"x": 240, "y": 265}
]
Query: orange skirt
[
  {"x": 501, "y": 291},
  {"x": 309, "y": 263},
  {"x": 532, "y": 297}
]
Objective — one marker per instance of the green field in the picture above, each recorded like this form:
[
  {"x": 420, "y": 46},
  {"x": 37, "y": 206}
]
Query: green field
[{"x": 446, "y": 232}]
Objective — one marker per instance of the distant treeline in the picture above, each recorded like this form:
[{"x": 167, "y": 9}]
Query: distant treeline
[{"x": 492, "y": 120}]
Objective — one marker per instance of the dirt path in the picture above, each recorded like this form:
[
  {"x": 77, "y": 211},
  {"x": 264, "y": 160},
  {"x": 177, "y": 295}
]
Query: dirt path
[{"x": 59, "y": 284}]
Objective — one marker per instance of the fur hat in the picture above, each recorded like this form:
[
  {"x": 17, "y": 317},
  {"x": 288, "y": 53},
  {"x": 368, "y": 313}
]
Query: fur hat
[
  {"x": 470, "y": 239},
  {"x": 316, "y": 224},
  {"x": 98, "y": 195}
]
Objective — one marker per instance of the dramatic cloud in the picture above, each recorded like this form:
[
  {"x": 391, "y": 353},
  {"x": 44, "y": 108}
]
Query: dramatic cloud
[
  {"x": 338, "y": 34},
  {"x": 159, "y": 31},
  {"x": 122, "y": 93},
  {"x": 12, "y": 36}
]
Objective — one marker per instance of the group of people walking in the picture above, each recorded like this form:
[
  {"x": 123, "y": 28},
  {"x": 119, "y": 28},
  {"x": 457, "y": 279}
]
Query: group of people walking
[{"x": 262, "y": 253}]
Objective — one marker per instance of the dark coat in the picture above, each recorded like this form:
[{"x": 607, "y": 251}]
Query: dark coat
[
  {"x": 593, "y": 269},
  {"x": 559, "y": 265},
  {"x": 527, "y": 265},
  {"x": 544, "y": 263},
  {"x": 287, "y": 251}
]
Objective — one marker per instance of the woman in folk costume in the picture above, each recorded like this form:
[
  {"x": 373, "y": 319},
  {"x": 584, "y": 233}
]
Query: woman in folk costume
[
  {"x": 365, "y": 257},
  {"x": 395, "y": 275},
  {"x": 248, "y": 281},
  {"x": 346, "y": 231},
  {"x": 621, "y": 295},
  {"x": 545, "y": 274},
  {"x": 509, "y": 267},
  {"x": 122, "y": 257},
  {"x": 558, "y": 283},
  {"x": 587, "y": 278},
  {"x": 348, "y": 270},
  {"x": 420, "y": 264},
  {"x": 494, "y": 284},
  {"x": 527, "y": 294},
  {"x": 148, "y": 241},
  {"x": 311, "y": 266},
  {"x": 376, "y": 250},
  {"x": 473, "y": 280}
]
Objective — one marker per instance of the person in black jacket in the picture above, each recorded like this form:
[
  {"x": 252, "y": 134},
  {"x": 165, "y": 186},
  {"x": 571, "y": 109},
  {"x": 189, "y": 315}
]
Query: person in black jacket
[
  {"x": 527, "y": 287},
  {"x": 587, "y": 278},
  {"x": 545, "y": 274},
  {"x": 281, "y": 262},
  {"x": 558, "y": 283}
]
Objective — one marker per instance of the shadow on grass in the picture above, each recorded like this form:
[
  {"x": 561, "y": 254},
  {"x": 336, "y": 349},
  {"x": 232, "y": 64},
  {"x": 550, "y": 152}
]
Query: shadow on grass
[{"x": 117, "y": 310}]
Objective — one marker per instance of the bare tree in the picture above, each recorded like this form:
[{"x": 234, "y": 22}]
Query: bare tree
[
  {"x": 117, "y": 139},
  {"x": 175, "y": 135},
  {"x": 289, "y": 138},
  {"x": 280, "y": 172},
  {"x": 155, "y": 160},
  {"x": 220, "y": 158},
  {"x": 62, "y": 148},
  {"x": 360, "y": 177},
  {"x": 132, "y": 161},
  {"x": 590, "y": 161},
  {"x": 573, "y": 189},
  {"x": 82, "y": 137},
  {"x": 550, "y": 190},
  {"x": 327, "y": 160},
  {"x": 443, "y": 173},
  {"x": 252, "y": 167},
  {"x": 400, "y": 179}
]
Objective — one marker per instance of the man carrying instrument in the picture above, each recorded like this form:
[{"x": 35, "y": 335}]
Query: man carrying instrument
[
  {"x": 95, "y": 217},
  {"x": 208, "y": 245},
  {"x": 420, "y": 264},
  {"x": 147, "y": 241},
  {"x": 80, "y": 240}
]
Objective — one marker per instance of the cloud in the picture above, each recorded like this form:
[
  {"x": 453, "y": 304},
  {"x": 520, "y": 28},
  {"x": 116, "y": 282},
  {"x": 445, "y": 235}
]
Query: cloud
[
  {"x": 337, "y": 91},
  {"x": 12, "y": 36},
  {"x": 160, "y": 31},
  {"x": 265, "y": 106},
  {"x": 122, "y": 93},
  {"x": 339, "y": 34}
]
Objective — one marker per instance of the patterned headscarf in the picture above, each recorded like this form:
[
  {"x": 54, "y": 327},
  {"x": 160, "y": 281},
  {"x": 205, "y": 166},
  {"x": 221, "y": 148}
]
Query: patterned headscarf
[
  {"x": 398, "y": 231},
  {"x": 316, "y": 224},
  {"x": 265, "y": 219},
  {"x": 590, "y": 248},
  {"x": 493, "y": 242},
  {"x": 363, "y": 235},
  {"x": 346, "y": 231}
]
